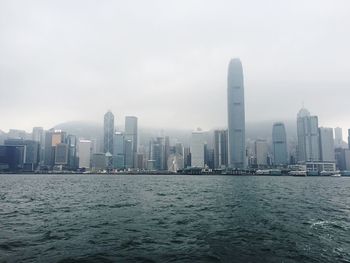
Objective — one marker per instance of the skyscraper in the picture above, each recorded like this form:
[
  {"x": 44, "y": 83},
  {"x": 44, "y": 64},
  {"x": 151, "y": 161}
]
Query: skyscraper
[
  {"x": 338, "y": 137},
  {"x": 279, "y": 144},
  {"x": 236, "y": 114},
  {"x": 220, "y": 149},
  {"x": 108, "y": 132},
  {"x": 308, "y": 137},
  {"x": 131, "y": 135},
  {"x": 326, "y": 145},
  {"x": 197, "y": 149},
  {"x": 261, "y": 152},
  {"x": 84, "y": 153}
]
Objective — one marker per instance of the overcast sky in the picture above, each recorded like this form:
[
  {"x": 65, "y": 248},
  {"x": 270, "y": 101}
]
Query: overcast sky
[{"x": 166, "y": 61}]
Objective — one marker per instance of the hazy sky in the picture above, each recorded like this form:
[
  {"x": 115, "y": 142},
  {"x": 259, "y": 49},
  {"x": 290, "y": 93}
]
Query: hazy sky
[{"x": 166, "y": 61}]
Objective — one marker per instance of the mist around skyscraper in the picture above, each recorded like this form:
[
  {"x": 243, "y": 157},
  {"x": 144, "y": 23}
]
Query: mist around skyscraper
[{"x": 309, "y": 149}]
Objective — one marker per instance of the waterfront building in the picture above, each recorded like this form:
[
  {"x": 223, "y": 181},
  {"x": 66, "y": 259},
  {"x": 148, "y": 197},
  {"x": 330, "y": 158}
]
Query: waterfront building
[
  {"x": 29, "y": 152},
  {"x": 99, "y": 162},
  {"x": 220, "y": 148},
  {"x": 61, "y": 155},
  {"x": 131, "y": 134},
  {"x": 326, "y": 144},
  {"x": 279, "y": 144},
  {"x": 197, "y": 149},
  {"x": 338, "y": 137},
  {"x": 119, "y": 151},
  {"x": 52, "y": 139},
  {"x": 187, "y": 157},
  {"x": 342, "y": 157},
  {"x": 72, "y": 143},
  {"x": 84, "y": 154},
  {"x": 236, "y": 115},
  {"x": 348, "y": 138},
  {"x": 157, "y": 153},
  {"x": 308, "y": 137},
  {"x": 38, "y": 135},
  {"x": 12, "y": 158},
  {"x": 261, "y": 152},
  {"x": 108, "y": 132},
  {"x": 128, "y": 154}
]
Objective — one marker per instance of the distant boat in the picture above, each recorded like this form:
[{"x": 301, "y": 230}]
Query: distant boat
[
  {"x": 297, "y": 173},
  {"x": 336, "y": 175}
]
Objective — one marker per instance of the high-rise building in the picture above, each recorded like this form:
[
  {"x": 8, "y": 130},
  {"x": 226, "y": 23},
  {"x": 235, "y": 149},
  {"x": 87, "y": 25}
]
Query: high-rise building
[
  {"x": 84, "y": 154},
  {"x": 30, "y": 152},
  {"x": 108, "y": 132},
  {"x": 236, "y": 115},
  {"x": 348, "y": 138},
  {"x": 61, "y": 154},
  {"x": 220, "y": 148},
  {"x": 119, "y": 151},
  {"x": 131, "y": 135},
  {"x": 197, "y": 149},
  {"x": 52, "y": 139},
  {"x": 72, "y": 143},
  {"x": 157, "y": 153},
  {"x": 338, "y": 137},
  {"x": 38, "y": 135},
  {"x": 279, "y": 144},
  {"x": 261, "y": 152},
  {"x": 326, "y": 145},
  {"x": 308, "y": 137}
]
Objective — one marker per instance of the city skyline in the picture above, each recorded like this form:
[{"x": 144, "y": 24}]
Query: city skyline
[{"x": 59, "y": 66}]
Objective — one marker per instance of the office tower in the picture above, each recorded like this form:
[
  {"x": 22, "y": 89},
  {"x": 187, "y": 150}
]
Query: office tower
[
  {"x": 279, "y": 144},
  {"x": 157, "y": 153},
  {"x": 187, "y": 157},
  {"x": 30, "y": 152},
  {"x": 61, "y": 154},
  {"x": 348, "y": 138},
  {"x": 84, "y": 154},
  {"x": 220, "y": 148},
  {"x": 326, "y": 145},
  {"x": 261, "y": 152},
  {"x": 99, "y": 162},
  {"x": 38, "y": 135},
  {"x": 128, "y": 153},
  {"x": 52, "y": 139},
  {"x": 166, "y": 151},
  {"x": 338, "y": 137},
  {"x": 308, "y": 137},
  {"x": 119, "y": 151},
  {"x": 108, "y": 132},
  {"x": 197, "y": 149},
  {"x": 236, "y": 115},
  {"x": 12, "y": 158},
  {"x": 208, "y": 156},
  {"x": 131, "y": 135},
  {"x": 72, "y": 143}
]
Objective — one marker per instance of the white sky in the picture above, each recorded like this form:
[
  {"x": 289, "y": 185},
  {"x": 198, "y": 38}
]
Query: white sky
[{"x": 166, "y": 61}]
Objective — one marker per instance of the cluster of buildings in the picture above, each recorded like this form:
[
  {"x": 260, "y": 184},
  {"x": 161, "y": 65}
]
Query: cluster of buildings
[{"x": 315, "y": 149}]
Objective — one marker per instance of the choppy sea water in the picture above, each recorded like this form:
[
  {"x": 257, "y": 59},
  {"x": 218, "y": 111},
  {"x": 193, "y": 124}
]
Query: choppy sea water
[{"x": 144, "y": 218}]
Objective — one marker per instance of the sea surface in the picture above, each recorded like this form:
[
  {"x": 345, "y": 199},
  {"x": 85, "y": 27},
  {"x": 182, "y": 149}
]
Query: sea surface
[{"x": 167, "y": 218}]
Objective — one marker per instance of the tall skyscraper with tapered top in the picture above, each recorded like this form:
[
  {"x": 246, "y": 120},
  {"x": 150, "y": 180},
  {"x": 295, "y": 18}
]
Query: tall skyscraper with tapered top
[{"x": 236, "y": 115}]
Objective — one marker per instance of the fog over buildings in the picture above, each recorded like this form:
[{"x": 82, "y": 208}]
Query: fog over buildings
[{"x": 166, "y": 61}]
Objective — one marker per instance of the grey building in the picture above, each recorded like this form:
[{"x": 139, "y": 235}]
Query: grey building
[
  {"x": 236, "y": 115},
  {"x": 279, "y": 144},
  {"x": 220, "y": 148},
  {"x": 30, "y": 152},
  {"x": 108, "y": 132},
  {"x": 308, "y": 137},
  {"x": 131, "y": 134},
  {"x": 326, "y": 144}
]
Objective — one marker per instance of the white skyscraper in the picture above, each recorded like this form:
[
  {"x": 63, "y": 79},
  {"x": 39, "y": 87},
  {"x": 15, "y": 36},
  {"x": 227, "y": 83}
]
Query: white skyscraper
[
  {"x": 197, "y": 149},
  {"x": 84, "y": 153},
  {"x": 308, "y": 137},
  {"x": 326, "y": 145},
  {"x": 236, "y": 115}
]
